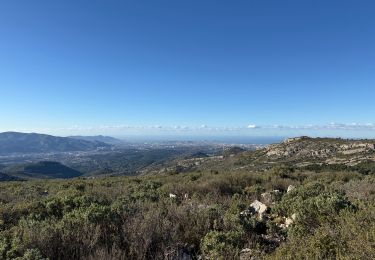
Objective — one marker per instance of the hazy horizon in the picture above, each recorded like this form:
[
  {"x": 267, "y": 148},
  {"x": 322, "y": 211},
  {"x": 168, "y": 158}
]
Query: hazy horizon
[
  {"x": 223, "y": 138},
  {"x": 207, "y": 133}
]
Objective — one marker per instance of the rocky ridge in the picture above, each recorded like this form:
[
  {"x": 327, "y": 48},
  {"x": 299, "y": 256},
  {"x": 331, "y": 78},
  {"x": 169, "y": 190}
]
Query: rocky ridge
[{"x": 323, "y": 150}]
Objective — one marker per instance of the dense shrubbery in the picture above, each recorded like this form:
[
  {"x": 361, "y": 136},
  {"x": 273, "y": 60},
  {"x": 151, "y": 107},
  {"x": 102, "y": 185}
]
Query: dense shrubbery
[
  {"x": 312, "y": 205},
  {"x": 135, "y": 218},
  {"x": 347, "y": 235},
  {"x": 365, "y": 167}
]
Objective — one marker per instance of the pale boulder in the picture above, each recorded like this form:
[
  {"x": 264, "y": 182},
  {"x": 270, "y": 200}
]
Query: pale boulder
[
  {"x": 259, "y": 207},
  {"x": 290, "y": 188}
]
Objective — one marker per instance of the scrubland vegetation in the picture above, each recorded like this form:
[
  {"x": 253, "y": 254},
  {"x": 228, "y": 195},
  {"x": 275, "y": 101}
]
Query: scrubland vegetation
[{"x": 136, "y": 218}]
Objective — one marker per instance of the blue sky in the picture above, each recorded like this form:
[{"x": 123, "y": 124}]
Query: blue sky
[{"x": 188, "y": 67}]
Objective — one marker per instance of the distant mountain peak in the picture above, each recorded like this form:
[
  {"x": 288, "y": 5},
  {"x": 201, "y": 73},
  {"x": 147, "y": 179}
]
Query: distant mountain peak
[{"x": 15, "y": 142}]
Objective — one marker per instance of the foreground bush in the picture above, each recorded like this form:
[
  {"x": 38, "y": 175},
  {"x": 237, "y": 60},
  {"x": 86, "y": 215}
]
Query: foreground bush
[{"x": 222, "y": 245}]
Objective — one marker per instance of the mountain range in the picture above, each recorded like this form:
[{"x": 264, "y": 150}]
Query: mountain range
[{"x": 14, "y": 142}]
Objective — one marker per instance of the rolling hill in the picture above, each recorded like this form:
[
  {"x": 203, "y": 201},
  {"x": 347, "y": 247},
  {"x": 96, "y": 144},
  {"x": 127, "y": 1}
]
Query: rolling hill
[
  {"x": 7, "y": 177},
  {"x": 42, "y": 170},
  {"x": 14, "y": 142}
]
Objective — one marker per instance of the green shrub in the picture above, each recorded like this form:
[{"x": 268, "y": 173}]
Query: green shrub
[
  {"x": 222, "y": 245},
  {"x": 282, "y": 171},
  {"x": 32, "y": 254},
  {"x": 313, "y": 205}
]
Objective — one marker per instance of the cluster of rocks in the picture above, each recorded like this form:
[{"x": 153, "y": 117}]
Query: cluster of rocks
[
  {"x": 262, "y": 210},
  {"x": 259, "y": 209}
]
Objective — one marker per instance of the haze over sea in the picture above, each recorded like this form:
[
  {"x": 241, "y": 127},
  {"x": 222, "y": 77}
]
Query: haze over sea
[{"x": 196, "y": 138}]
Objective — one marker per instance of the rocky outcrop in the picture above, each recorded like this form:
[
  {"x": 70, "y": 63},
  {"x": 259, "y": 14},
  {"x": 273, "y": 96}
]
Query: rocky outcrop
[
  {"x": 262, "y": 211},
  {"x": 322, "y": 149}
]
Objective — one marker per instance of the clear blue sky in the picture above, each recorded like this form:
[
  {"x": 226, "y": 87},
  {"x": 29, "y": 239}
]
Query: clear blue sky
[{"x": 81, "y": 66}]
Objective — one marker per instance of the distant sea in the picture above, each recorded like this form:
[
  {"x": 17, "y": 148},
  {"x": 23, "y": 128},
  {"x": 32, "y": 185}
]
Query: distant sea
[{"x": 216, "y": 139}]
